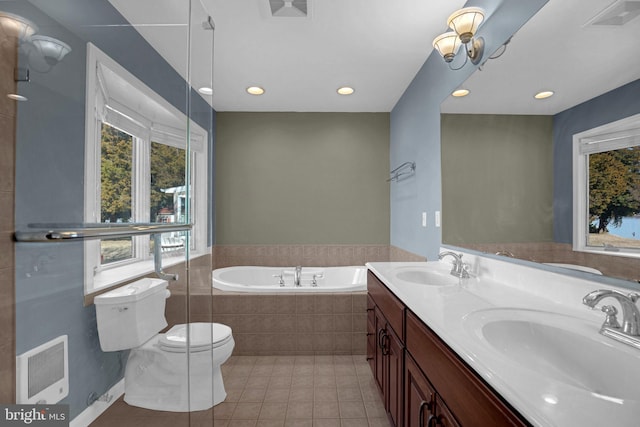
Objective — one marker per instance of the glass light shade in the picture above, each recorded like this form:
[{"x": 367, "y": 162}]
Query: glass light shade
[
  {"x": 465, "y": 22},
  {"x": 16, "y": 26},
  {"x": 53, "y": 50},
  {"x": 447, "y": 45},
  {"x": 544, "y": 94}
]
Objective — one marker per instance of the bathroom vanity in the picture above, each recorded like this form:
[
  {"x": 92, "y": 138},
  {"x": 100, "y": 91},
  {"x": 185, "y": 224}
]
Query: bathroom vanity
[{"x": 508, "y": 346}]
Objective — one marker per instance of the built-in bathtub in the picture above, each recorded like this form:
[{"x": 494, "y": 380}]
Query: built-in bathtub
[
  {"x": 281, "y": 279},
  {"x": 325, "y": 317}
]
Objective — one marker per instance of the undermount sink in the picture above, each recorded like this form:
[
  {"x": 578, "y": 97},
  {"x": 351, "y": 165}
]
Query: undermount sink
[
  {"x": 434, "y": 275},
  {"x": 564, "y": 348}
]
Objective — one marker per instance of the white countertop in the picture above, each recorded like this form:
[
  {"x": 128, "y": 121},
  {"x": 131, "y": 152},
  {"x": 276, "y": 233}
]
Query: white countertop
[{"x": 544, "y": 396}]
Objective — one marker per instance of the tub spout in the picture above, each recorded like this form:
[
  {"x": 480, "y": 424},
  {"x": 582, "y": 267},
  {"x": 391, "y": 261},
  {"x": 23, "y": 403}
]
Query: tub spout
[{"x": 297, "y": 275}]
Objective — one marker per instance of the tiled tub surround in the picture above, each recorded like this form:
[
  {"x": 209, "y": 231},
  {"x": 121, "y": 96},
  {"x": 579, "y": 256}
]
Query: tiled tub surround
[
  {"x": 614, "y": 266},
  {"x": 307, "y": 255},
  {"x": 294, "y": 324},
  {"x": 542, "y": 395}
]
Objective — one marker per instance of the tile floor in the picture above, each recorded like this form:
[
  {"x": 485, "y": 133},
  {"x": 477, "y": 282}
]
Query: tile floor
[{"x": 277, "y": 391}]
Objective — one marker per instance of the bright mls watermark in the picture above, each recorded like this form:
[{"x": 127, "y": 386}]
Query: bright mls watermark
[{"x": 34, "y": 415}]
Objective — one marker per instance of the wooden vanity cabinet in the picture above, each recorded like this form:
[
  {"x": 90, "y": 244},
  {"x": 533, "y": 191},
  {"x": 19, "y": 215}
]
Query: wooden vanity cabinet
[
  {"x": 471, "y": 401},
  {"x": 423, "y": 382},
  {"x": 385, "y": 349}
]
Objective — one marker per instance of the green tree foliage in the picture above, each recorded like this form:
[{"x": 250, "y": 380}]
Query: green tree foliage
[
  {"x": 614, "y": 186},
  {"x": 115, "y": 174},
  {"x": 168, "y": 167}
]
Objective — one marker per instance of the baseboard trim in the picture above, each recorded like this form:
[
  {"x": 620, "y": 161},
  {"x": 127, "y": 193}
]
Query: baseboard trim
[{"x": 92, "y": 412}]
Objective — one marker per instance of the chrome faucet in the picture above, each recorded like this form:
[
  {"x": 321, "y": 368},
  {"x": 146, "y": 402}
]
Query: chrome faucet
[
  {"x": 629, "y": 332},
  {"x": 297, "y": 274},
  {"x": 459, "y": 268}
]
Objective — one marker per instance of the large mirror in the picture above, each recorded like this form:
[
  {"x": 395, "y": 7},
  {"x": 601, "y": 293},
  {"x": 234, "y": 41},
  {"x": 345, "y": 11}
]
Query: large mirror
[{"x": 507, "y": 157}]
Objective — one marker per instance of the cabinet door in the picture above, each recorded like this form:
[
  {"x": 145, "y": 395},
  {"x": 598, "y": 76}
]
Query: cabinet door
[
  {"x": 371, "y": 334},
  {"x": 381, "y": 332},
  {"x": 395, "y": 374},
  {"x": 419, "y": 396},
  {"x": 443, "y": 417}
]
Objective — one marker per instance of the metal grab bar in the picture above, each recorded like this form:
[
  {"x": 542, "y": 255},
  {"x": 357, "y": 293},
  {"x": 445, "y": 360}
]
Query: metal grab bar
[
  {"x": 61, "y": 232},
  {"x": 407, "y": 168}
]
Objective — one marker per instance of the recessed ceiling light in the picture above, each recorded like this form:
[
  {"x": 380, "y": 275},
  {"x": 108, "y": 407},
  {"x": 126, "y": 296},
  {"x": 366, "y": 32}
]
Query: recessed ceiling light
[
  {"x": 255, "y": 90},
  {"x": 206, "y": 90},
  {"x": 345, "y": 90},
  {"x": 544, "y": 94},
  {"x": 460, "y": 92},
  {"x": 16, "y": 97}
]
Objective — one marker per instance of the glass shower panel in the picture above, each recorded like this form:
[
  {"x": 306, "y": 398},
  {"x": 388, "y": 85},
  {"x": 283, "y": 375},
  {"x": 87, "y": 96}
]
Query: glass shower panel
[{"x": 82, "y": 66}]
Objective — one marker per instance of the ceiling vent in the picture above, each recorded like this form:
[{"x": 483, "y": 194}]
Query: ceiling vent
[
  {"x": 289, "y": 8},
  {"x": 617, "y": 14}
]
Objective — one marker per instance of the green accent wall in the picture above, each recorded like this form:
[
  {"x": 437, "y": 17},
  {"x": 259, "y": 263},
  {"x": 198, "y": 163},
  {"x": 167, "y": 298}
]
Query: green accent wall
[
  {"x": 497, "y": 178},
  {"x": 302, "y": 178}
]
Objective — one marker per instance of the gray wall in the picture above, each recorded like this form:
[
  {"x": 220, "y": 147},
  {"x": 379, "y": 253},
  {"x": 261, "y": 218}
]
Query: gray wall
[
  {"x": 497, "y": 178},
  {"x": 49, "y": 180},
  {"x": 302, "y": 178}
]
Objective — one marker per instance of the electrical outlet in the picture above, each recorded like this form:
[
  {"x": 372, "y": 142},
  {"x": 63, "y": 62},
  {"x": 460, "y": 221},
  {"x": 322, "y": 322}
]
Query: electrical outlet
[{"x": 437, "y": 218}]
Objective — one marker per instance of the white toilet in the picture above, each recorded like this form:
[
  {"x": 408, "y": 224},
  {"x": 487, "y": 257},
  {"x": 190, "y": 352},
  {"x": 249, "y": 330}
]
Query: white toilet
[{"x": 176, "y": 371}]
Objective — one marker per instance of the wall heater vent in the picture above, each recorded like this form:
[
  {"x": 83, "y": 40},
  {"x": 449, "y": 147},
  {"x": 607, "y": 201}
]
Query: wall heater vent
[{"x": 42, "y": 373}]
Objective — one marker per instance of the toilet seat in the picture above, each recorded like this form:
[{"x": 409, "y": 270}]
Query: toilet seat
[{"x": 202, "y": 337}]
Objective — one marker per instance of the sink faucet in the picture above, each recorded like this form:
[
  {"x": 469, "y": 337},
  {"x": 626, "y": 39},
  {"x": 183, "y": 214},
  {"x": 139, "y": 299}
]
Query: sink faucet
[
  {"x": 629, "y": 332},
  {"x": 297, "y": 274},
  {"x": 459, "y": 268}
]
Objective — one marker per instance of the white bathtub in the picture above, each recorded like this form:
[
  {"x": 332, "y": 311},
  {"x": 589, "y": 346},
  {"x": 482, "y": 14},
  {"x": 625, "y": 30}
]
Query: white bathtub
[{"x": 268, "y": 279}]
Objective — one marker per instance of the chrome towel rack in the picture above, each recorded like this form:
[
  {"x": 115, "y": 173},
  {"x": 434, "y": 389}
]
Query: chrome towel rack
[
  {"x": 407, "y": 168},
  {"x": 68, "y": 232}
]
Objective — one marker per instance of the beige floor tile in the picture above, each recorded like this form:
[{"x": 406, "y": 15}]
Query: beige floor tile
[
  {"x": 273, "y": 411},
  {"x": 301, "y": 394},
  {"x": 325, "y": 422},
  {"x": 352, "y": 409},
  {"x": 277, "y": 395},
  {"x": 247, "y": 411},
  {"x": 300, "y": 410},
  {"x": 326, "y": 410}
]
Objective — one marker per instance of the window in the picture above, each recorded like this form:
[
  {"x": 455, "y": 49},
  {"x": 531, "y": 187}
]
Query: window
[
  {"x": 137, "y": 160},
  {"x": 606, "y": 168}
]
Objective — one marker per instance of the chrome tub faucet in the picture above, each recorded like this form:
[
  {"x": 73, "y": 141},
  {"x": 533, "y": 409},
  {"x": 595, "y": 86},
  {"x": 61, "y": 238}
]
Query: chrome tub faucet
[
  {"x": 297, "y": 275},
  {"x": 629, "y": 332}
]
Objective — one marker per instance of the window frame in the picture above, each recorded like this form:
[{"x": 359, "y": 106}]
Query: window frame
[
  {"x": 611, "y": 136},
  {"x": 101, "y": 106}
]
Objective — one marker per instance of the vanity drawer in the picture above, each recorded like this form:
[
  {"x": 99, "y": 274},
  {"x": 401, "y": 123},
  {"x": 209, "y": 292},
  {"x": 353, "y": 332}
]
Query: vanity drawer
[
  {"x": 471, "y": 400},
  {"x": 389, "y": 305}
]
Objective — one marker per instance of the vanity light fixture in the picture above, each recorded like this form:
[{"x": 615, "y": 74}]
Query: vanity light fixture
[
  {"x": 42, "y": 53},
  {"x": 206, "y": 90},
  {"x": 544, "y": 94},
  {"x": 255, "y": 90},
  {"x": 460, "y": 93},
  {"x": 464, "y": 23},
  {"x": 345, "y": 90}
]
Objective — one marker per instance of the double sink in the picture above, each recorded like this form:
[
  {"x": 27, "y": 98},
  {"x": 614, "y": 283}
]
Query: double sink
[{"x": 566, "y": 350}]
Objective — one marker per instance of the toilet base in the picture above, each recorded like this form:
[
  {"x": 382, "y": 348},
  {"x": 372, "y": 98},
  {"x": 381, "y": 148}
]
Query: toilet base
[{"x": 156, "y": 379}]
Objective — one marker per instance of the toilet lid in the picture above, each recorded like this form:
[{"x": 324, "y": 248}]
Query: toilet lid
[{"x": 202, "y": 336}]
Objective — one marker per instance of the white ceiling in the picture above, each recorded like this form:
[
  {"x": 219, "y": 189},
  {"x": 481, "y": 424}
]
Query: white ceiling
[{"x": 377, "y": 46}]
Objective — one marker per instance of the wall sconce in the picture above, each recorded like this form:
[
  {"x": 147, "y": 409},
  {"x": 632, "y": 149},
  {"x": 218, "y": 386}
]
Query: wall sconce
[
  {"x": 464, "y": 23},
  {"x": 42, "y": 52}
]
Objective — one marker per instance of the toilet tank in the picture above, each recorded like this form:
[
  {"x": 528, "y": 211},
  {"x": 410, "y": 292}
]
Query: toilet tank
[{"x": 132, "y": 314}]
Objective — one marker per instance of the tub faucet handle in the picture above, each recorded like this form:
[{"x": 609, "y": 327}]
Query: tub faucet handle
[
  {"x": 314, "y": 281},
  {"x": 280, "y": 279}
]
